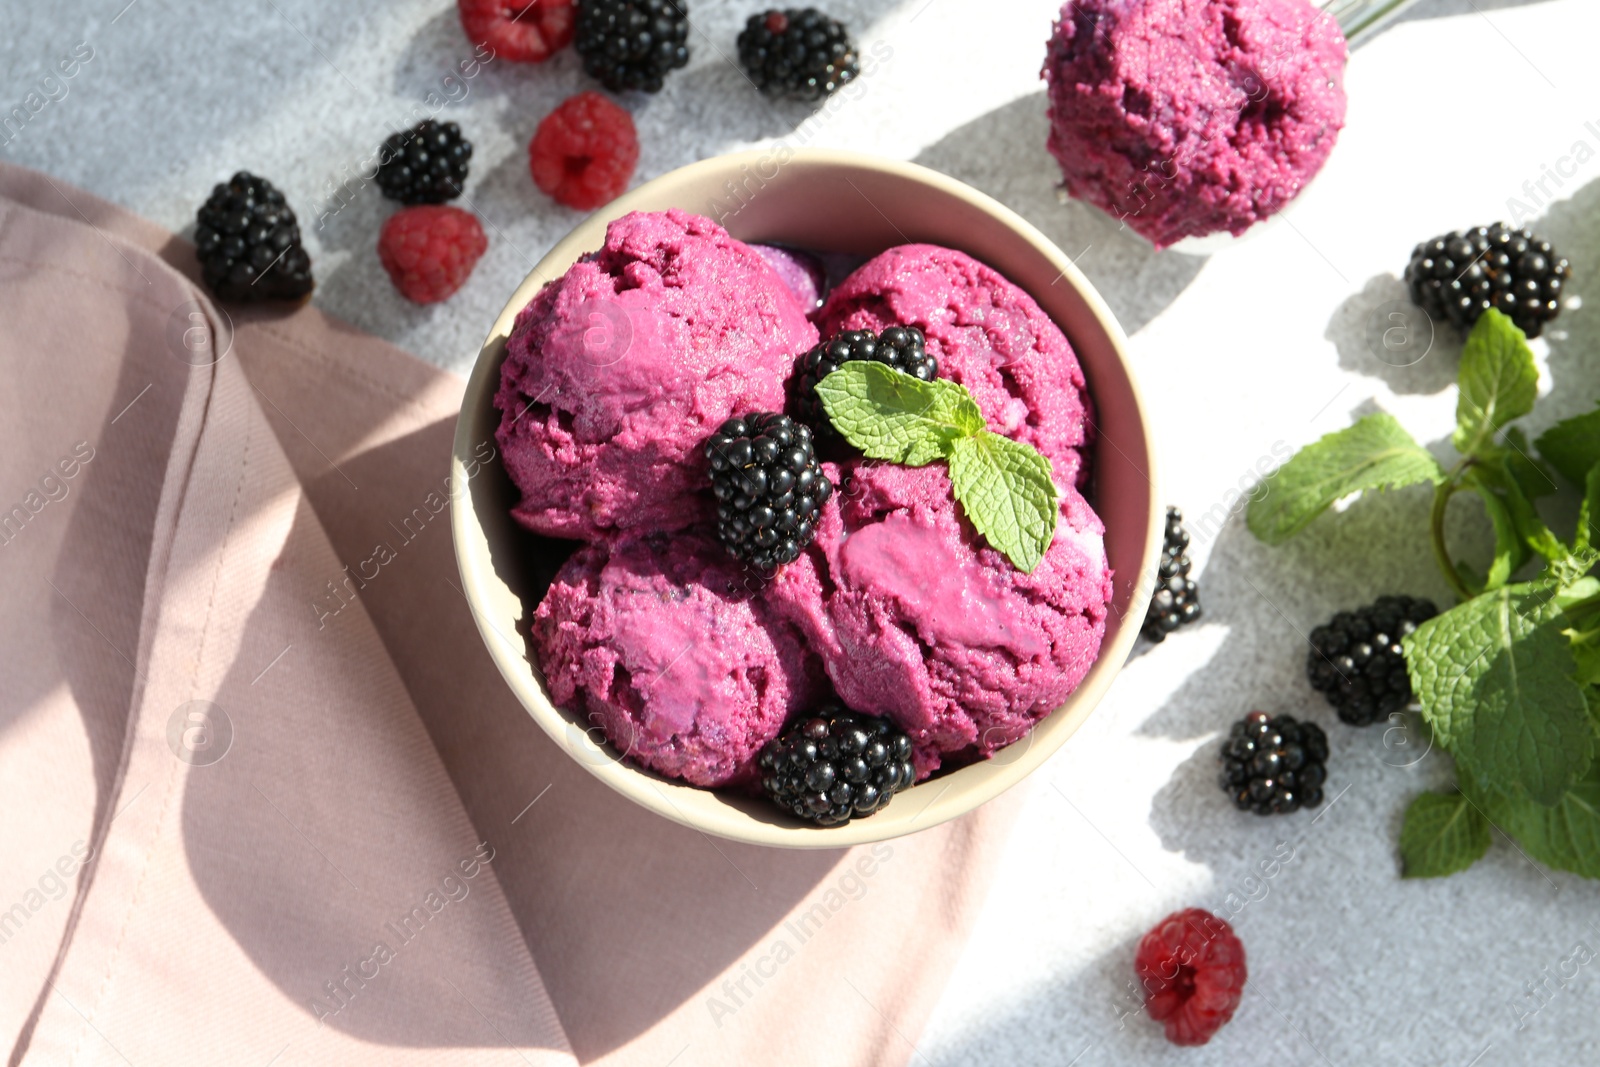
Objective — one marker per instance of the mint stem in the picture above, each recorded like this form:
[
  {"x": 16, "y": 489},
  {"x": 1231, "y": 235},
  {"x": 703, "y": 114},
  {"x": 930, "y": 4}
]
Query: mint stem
[{"x": 1441, "y": 552}]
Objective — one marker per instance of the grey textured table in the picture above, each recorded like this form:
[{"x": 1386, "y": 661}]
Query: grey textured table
[{"x": 1258, "y": 346}]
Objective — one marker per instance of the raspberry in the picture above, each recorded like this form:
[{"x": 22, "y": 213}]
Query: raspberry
[
  {"x": 584, "y": 152},
  {"x": 522, "y": 32},
  {"x": 430, "y": 250},
  {"x": 1193, "y": 970}
]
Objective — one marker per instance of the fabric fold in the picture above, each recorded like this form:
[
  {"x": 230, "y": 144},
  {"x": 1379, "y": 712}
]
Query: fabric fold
[
  {"x": 311, "y": 598},
  {"x": 283, "y": 848}
]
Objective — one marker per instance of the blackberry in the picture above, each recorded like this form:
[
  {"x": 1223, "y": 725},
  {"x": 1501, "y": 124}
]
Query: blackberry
[
  {"x": 836, "y": 765},
  {"x": 248, "y": 242},
  {"x": 1463, "y": 274},
  {"x": 1273, "y": 766},
  {"x": 900, "y": 347},
  {"x": 768, "y": 486},
  {"x": 632, "y": 44},
  {"x": 426, "y": 164},
  {"x": 798, "y": 52},
  {"x": 1356, "y": 660},
  {"x": 1177, "y": 599}
]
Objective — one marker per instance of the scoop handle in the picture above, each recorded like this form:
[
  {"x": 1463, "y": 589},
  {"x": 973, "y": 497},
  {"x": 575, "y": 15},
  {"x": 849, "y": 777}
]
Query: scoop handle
[{"x": 1360, "y": 19}]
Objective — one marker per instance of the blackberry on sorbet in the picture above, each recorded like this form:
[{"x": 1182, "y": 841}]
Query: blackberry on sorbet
[
  {"x": 426, "y": 164},
  {"x": 835, "y": 765},
  {"x": 1464, "y": 273},
  {"x": 632, "y": 44},
  {"x": 799, "y": 53},
  {"x": 901, "y": 348},
  {"x": 1356, "y": 660},
  {"x": 1274, "y": 766},
  {"x": 248, "y": 242},
  {"x": 769, "y": 487},
  {"x": 1176, "y": 601}
]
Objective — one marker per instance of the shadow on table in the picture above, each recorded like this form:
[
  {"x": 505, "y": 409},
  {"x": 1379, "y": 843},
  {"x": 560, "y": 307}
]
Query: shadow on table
[
  {"x": 1265, "y": 598},
  {"x": 1573, "y": 226},
  {"x": 713, "y": 89},
  {"x": 1003, "y": 154},
  {"x": 1379, "y": 333},
  {"x": 1433, "y": 9},
  {"x": 556, "y": 860}
]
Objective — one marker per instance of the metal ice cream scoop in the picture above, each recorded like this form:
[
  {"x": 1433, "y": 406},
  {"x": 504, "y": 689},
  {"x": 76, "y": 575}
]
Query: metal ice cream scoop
[{"x": 1360, "y": 19}]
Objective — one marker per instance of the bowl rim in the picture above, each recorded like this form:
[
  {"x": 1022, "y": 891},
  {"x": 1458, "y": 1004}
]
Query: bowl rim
[{"x": 652, "y": 791}]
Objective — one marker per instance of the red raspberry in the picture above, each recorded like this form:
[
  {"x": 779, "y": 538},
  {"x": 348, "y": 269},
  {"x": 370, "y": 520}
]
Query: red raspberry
[
  {"x": 584, "y": 152},
  {"x": 429, "y": 250},
  {"x": 1192, "y": 967},
  {"x": 524, "y": 32}
]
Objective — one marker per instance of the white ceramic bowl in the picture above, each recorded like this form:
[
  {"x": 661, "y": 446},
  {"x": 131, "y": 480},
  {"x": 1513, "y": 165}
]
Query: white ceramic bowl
[{"x": 839, "y": 202}]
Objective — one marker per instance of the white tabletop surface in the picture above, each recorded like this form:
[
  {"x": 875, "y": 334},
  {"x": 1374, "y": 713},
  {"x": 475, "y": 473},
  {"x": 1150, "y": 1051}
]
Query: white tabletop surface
[{"x": 1261, "y": 345}]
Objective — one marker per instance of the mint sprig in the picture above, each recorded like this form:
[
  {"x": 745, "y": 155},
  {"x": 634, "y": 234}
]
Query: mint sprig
[
  {"x": 1496, "y": 679},
  {"x": 1509, "y": 679},
  {"x": 1443, "y": 833},
  {"x": 1498, "y": 383},
  {"x": 1565, "y": 835},
  {"x": 1003, "y": 486},
  {"x": 1573, "y": 447},
  {"x": 1375, "y": 453},
  {"x": 895, "y": 417}
]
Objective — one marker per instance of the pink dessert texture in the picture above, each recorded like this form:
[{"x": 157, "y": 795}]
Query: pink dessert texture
[
  {"x": 917, "y": 618},
  {"x": 687, "y": 659},
  {"x": 658, "y": 642},
  {"x": 987, "y": 334},
  {"x": 1189, "y": 117},
  {"x": 616, "y": 373},
  {"x": 802, "y": 272}
]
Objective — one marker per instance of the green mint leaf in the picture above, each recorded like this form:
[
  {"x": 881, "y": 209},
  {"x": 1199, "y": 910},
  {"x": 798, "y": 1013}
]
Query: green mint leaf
[
  {"x": 1443, "y": 833},
  {"x": 1529, "y": 527},
  {"x": 1498, "y": 382},
  {"x": 893, "y": 416},
  {"x": 1588, "y": 660},
  {"x": 1495, "y": 677},
  {"x": 1510, "y": 550},
  {"x": 1530, "y": 474},
  {"x": 1581, "y": 592},
  {"x": 1375, "y": 453},
  {"x": 1005, "y": 490},
  {"x": 1588, "y": 535},
  {"x": 1573, "y": 446},
  {"x": 1564, "y": 835},
  {"x": 1575, "y": 566}
]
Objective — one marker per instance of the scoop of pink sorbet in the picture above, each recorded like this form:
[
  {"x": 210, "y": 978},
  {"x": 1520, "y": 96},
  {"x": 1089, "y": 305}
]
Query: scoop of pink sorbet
[
  {"x": 659, "y": 642},
  {"x": 1188, "y": 117},
  {"x": 917, "y": 618},
  {"x": 987, "y": 335},
  {"x": 618, "y": 371},
  {"x": 801, "y": 271}
]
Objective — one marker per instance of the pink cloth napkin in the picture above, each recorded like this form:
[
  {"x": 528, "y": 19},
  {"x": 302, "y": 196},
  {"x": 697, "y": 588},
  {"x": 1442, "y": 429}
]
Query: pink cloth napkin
[{"x": 254, "y": 817}]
